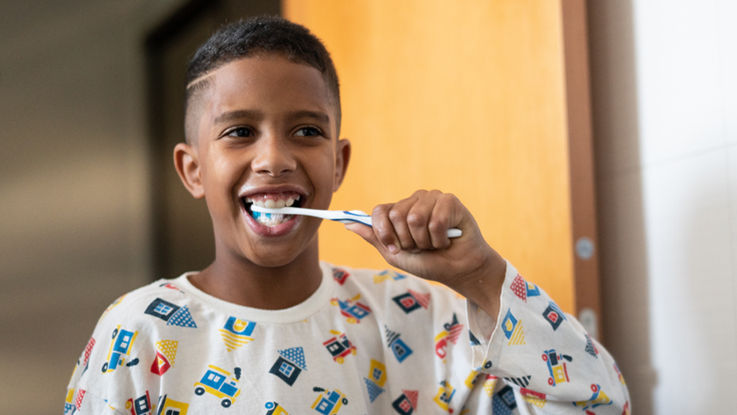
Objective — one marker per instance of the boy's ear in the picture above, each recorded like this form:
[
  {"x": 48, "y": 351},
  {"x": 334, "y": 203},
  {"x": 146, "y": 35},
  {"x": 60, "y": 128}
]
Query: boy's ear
[
  {"x": 342, "y": 157},
  {"x": 188, "y": 168}
]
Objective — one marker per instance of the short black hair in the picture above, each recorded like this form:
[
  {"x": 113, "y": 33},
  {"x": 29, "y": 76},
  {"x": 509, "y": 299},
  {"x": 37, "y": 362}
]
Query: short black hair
[{"x": 259, "y": 35}]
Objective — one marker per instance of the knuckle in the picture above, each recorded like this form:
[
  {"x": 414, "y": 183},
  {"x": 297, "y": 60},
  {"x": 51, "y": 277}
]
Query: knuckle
[
  {"x": 436, "y": 226},
  {"x": 415, "y": 219},
  {"x": 395, "y": 215}
]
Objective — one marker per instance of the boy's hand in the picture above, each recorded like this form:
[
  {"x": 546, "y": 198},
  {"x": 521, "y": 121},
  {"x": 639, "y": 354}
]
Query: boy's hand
[{"x": 412, "y": 235}]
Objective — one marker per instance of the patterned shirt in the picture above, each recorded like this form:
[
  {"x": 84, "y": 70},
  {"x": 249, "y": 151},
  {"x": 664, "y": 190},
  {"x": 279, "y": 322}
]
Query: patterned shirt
[{"x": 365, "y": 342}]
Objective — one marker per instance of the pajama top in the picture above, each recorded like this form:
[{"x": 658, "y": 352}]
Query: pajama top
[{"x": 365, "y": 342}]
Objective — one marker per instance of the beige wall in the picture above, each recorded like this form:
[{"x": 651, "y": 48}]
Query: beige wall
[
  {"x": 73, "y": 180},
  {"x": 665, "y": 116}
]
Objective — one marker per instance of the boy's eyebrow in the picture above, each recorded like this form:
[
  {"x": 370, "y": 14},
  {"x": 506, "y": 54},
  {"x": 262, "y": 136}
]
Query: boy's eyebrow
[
  {"x": 316, "y": 115},
  {"x": 238, "y": 114},
  {"x": 258, "y": 115}
]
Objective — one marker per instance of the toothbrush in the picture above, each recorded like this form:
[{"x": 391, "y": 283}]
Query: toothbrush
[{"x": 343, "y": 216}]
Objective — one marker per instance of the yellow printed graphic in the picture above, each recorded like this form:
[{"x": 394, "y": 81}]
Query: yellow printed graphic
[
  {"x": 471, "y": 379},
  {"x": 170, "y": 406},
  {"x": 489, "y": 385},
  {"x": 534, "y": 400},
  {"x": 518, "y": 336},
  {"x": 168, "y": 348},
  {"x": 234, "y": 341}
]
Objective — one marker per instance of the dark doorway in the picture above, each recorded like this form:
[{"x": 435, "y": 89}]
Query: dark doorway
[{"x": 181, "y": 230}]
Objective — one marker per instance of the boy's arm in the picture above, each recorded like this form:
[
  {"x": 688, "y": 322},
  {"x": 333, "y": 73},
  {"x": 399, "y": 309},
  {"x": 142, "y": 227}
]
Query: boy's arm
[{"x": 517, "y": 336}]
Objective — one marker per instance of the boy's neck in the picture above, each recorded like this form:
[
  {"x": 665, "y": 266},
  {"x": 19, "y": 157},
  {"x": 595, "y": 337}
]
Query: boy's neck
[{"x": 271, "y": 288}]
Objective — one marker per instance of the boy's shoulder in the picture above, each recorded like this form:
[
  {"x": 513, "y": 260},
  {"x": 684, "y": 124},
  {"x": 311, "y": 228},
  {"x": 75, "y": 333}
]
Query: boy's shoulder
[{"x": 162, "y": 298}]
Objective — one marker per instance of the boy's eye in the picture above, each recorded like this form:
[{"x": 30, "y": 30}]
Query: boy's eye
[
  {"x": 308, "y": 132},
  {"x": 240, "y": 132}
]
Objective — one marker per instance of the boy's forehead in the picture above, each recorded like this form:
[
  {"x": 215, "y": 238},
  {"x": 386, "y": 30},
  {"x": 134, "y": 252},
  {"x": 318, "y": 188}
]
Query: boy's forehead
[{"x": 270, "y": 82}]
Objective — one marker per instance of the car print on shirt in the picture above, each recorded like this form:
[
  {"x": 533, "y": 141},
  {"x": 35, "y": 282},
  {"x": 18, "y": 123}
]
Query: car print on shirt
[
  {"x": 120, "y": 347},
  {"x": 329, "y": 402},
  {"x": 219, "y": 382}
]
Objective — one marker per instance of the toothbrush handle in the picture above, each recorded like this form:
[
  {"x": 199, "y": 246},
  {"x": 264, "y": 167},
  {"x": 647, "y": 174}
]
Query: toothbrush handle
[{"x": 454, "y": 233}]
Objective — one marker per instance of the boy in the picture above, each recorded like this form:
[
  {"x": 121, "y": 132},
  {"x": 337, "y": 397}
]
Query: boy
[{"x": 267, "y": 328}]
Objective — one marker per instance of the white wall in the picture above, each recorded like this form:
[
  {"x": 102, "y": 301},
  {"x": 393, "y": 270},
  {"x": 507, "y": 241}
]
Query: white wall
[
  {"x": 665, "y": 106},
  {"x": 73, "y": 183}
]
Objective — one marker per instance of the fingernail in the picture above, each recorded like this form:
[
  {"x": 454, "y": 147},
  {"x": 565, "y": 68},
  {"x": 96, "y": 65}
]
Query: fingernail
[{"x": 392, "y": 248}]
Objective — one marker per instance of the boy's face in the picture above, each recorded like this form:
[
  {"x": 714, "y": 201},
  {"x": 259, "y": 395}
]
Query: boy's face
[{"x": 265, "y": 134}]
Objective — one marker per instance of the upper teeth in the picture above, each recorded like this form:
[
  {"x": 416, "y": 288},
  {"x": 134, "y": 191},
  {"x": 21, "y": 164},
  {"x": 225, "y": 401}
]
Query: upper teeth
[{"x": 273, "y": 204}]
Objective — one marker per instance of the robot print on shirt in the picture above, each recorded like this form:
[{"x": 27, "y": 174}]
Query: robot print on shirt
[
  {"x": 524, "y": 289},
  {"x": 353, "y": 310},
  {"x": 328, "y": 402},
  {"x": 399, "y": 348},
  {"x": 451, "y": 332},
  {"x": 290, "y": 363},
  {"x": 412, "y": 300},
  {"x": 237, "y": 332},
  {"x": 375, "y": 380},
  {"x": 512, "y": 329},
  {"x": 172, "y": 314},
  {"x": 169, "y": 406},
  {"x": 220, "y": 383},
  {"x": 557, "y": 366},
  {"x": 120, "y": 349},
  {"x": 406, "y": 403},
  {"x": 166, "y": 353},
  {"x": 339, "y": 346}
]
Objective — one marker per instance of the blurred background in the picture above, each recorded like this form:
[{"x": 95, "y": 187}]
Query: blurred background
[{"x": 596, "y": 143}]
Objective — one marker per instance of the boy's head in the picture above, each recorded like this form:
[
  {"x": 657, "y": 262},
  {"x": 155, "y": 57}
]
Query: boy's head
[
  {"x": 262, "y": 128},
  {"x": 252, "y": 37}
]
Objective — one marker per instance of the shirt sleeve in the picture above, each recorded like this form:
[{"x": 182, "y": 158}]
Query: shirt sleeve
[{"x": 543, "y": 356}]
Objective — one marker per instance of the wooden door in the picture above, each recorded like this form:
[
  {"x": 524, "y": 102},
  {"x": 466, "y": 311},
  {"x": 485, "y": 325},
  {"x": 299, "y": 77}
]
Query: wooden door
[{"x": 484, "y": 99}]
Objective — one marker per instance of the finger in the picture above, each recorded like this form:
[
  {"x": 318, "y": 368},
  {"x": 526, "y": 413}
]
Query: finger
[
  {"x": 418, "y": 219},
  {"x": 398, "y": 217},
  {"x": 440, "y": 221},
  {"x": 366, "y": 233},
  {"x": 383, "y": 228}
]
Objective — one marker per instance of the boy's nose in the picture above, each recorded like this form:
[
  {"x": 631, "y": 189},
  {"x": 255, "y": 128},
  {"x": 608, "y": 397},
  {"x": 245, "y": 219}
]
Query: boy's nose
[{"x": 273, "y": 157}]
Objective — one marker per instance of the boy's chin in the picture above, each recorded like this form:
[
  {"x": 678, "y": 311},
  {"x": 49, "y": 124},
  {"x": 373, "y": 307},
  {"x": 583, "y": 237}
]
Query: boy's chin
[{"x": 280, "y": 255}]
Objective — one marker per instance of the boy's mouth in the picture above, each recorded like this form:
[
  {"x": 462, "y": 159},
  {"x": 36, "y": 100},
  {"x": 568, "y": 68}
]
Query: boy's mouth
[{"x": 271, "y": 200}]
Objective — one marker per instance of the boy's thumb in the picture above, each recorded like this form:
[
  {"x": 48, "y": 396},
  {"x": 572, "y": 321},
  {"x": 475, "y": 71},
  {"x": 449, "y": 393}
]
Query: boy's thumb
[{"x": 365, "y": 232}]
